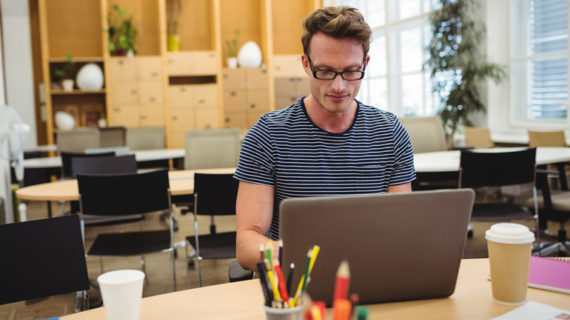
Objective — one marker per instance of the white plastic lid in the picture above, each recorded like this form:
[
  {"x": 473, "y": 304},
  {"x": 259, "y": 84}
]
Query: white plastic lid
[
  {"x": 509, "y": 233},
  {"x": 120, "y": 277}
]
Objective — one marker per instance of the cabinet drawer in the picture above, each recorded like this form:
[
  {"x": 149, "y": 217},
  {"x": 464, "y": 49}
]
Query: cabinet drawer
[
  {"x": 233, "y": 78},
  {"x": 256, "y": 78},
  {"x": 122, "y": 69},
  {"x": 149, "y": 68},
  {"x": 288, "y": 66},
  {"x": 150, "y": 93},
  {"x": 285, "y": 86},
  {"x": 284, "y": 101},
  {"x": 206, "y": 118},
  {"x": 203, "y": 63},
  {"x": 151, "y": 115},
  {"x": 205, "y": 96},
  {"x": 125, "y": 115},
  {"x": 182, "y": 119},
  {"x": 178, "y": 63},
  {"x": 124, "y": 93},
  {"x": 180, "y": 96},
  {"x": 234, "y": 100},
  {"x": 235, "y": 120},
  {"x": 257, "y": 99}
]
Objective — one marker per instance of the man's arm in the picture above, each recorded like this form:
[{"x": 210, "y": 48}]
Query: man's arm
[
  {"x": 406, "y": 187},
  {"x": 254, "y": 210}
]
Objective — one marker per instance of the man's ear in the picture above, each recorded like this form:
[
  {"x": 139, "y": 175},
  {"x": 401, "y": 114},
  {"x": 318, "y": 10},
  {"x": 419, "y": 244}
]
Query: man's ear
[{"x": 305, "y": 63}]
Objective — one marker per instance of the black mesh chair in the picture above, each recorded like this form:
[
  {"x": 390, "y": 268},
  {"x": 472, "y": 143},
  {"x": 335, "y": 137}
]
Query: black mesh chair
[
  {"x": 494, "y": 169},
  {"x": 126, "y": 194},
  {"x": 43, "y": 258},
  {"x": 66, "y": 164},
  {"x": 214, "y": 194}
]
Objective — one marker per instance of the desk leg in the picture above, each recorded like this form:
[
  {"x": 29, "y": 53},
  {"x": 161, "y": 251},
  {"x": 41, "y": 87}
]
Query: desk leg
[{"x": 49, "y": 209}]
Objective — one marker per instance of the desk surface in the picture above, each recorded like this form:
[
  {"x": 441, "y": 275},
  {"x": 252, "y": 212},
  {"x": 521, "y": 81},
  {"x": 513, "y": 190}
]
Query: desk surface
[
  {"x": 181, "y": 183},
  {"x": 140, "y": 155},
  {"x": 448, "y": 161},
  {"x": 243, "y": 300}
]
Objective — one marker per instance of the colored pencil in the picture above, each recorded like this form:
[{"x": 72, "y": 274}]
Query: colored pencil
[
  {"x": 342, "y": 281},
  {"x": 290, "y": 278},
  {"x": 280, "y": 282},
  {"x": 267, "y": 293}
]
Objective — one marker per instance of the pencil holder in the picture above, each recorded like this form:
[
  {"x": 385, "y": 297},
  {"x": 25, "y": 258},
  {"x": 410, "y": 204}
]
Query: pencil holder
[{"x": 284, "y": 314}]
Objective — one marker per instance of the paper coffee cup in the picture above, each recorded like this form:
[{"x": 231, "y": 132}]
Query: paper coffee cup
[
  {"x": 121, "y": 291},
  {"x": 509, "y": 246}
]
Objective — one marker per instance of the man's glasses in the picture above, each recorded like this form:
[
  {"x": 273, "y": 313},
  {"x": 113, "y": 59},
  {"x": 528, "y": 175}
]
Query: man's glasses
[{"x": 349, "y": 75}]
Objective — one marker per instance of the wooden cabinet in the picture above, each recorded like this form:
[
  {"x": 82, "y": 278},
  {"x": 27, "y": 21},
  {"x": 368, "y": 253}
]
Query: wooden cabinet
[
  {"x": 135, "y": 91},
  {"x": 246, "y": 96}
]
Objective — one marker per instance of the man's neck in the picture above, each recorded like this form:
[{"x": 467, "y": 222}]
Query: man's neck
[{"x": 334, "y": 122}]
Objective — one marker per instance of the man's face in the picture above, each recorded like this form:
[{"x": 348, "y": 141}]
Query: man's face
[{"x": 330, "y": 54}]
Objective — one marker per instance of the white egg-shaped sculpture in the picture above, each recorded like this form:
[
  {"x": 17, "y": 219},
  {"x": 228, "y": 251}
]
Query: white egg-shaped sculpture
[
  {"x": 64, "y": 120},
  {"x": 90, "y": 77},
  {"x": 249, "y": 55}
]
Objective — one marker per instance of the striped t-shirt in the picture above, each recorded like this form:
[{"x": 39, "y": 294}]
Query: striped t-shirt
[{"x": 287, "y": 151}]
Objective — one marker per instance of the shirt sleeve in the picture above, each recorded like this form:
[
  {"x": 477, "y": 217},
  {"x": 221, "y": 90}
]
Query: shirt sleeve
[
  {"x": 404, "y": 171},
  {"x": 256, "y": 159}
]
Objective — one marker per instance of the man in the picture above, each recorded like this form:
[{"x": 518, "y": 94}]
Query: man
[{"x": 325, "y": 144}]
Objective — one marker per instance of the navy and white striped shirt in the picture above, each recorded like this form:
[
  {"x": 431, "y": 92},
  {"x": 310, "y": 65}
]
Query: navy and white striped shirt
[{"x": 287, "y": 151}]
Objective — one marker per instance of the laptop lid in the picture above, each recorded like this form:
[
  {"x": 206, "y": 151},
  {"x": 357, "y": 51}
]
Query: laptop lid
[{"x": 400, "y": 246}]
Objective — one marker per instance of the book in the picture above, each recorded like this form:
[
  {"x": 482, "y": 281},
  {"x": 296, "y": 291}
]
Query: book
[{"x": 549, "y": 274}]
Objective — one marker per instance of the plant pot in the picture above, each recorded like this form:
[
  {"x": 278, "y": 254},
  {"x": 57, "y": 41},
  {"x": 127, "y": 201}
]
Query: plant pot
[
  {"x": 67, "y": 84},
  {"x": 232, "y": 62},
  {"x": 173, "y": 42}
]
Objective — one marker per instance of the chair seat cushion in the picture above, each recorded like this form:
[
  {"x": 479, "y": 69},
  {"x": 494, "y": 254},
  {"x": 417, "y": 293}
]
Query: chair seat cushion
[
  {"x": 215, "y": 246},
  {"x": 130, "y": 243},
  {"x": 560, "y": 201},
  {"x": 499, "y": 212}
]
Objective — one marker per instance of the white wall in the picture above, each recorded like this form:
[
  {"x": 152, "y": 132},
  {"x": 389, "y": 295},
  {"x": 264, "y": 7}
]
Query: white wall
[{"x": 18, "y": 60}]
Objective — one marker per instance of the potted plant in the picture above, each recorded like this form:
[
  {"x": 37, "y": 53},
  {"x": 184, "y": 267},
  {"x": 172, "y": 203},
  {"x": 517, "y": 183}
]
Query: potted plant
[
  {"x": 173, "y": 38},
  {"x": 122, "y": 33},
  {"x": 64, "y": 73},
  {"x": 232, "y": 50},
  {"x": 457, "y": 66}
]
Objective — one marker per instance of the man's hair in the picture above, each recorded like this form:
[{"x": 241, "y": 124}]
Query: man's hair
[{"x": 337, "y": 22}]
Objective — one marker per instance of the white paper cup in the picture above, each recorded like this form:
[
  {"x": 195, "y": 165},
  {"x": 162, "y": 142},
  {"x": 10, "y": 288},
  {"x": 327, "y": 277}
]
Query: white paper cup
[
  {"x": 509, "y": 246},
  {"x": 121, "y": 291},
  {"x": 295, "y": 313}
]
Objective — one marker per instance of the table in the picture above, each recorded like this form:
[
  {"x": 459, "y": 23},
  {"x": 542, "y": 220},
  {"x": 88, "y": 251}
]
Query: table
[
  {"x": 181, "y": 183},
  {"x": 140, "y": 155},
  {"x": 243, "y": 300}
]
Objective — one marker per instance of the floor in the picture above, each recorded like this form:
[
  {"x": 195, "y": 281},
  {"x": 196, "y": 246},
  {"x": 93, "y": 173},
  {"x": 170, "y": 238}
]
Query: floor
[{"x": 158, "y": 266}]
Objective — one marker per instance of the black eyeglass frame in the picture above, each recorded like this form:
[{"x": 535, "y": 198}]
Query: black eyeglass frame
[{"x": 336, "y": 73}]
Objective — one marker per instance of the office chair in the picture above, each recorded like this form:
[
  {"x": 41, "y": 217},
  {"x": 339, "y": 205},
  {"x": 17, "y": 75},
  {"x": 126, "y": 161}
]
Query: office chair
[
  {"x": 112, "y": 137},
  {"x": 66, "y": 164},
  {"x": 43, "y": 258},
  {"x": 494, "y": 169},
  {"x": 128, "y": 194},
  {"x": 77, "y": 140},
  {"x": 214, "y": 194},
  {"x": 478, "y": 137},
  {"x": 426, "y": 133},
  {"x": 146, "y": 138},
  {"x": 546, "y": 139}
]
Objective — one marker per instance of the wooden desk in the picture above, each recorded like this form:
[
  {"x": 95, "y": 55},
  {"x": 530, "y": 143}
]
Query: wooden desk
[
  {"x": 181, "y": 183},
  {"x": 243, "y": 300}
]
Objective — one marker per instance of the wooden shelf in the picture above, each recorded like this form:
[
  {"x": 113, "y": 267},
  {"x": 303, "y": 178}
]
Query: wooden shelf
[
  {"x": 77, "y": 92},
  {"x": 76, "y": 59}
]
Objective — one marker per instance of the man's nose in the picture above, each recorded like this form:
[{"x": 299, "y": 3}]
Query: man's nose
[{"x": 338, "y": 83}]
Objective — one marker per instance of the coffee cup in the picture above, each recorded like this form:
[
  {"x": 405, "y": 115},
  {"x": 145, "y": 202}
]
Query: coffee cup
[
  {"x": 509, "y": 246},
  {"x": 121, "y": 291}
]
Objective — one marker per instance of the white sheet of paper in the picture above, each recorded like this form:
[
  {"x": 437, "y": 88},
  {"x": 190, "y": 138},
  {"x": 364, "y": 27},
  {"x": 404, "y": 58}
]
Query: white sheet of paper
[{"x": 535, "y": 311}]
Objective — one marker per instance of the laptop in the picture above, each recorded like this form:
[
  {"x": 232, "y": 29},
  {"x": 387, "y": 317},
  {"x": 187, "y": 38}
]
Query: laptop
[{"x": 400, "y": 246}]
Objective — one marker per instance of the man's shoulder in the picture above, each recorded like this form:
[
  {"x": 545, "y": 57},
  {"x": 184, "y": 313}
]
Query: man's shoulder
[{"x": 377, "y": 115}]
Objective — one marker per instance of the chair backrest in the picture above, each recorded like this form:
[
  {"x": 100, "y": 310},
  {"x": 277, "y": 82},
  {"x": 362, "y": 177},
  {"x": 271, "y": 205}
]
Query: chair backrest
[
  {"x": 112, "y": 137},
  {"x": 484, "y": 169},
  {"x": 426, "y": 133},
  {"x": 146, "y": 138},
  {"x": 215, "y": 194},
  {"x": 41, "y": 258},
  {"x": 212, "y": 148},
  {"x": 103, "y": 165},
  {"x": 546, "y": 139},
  {"x": 66, "y": 164},
  {"x": 478, "y": 137},
  {"x": 125, "y": 193},
  {"x": 78, "y": 140}
]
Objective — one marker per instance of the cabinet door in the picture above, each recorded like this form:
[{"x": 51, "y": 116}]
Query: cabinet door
[
  {"x": 150, "y": 93},
  {"x": 151, "y": 115},
  {"x": 182, "y": 119},
  {"x": 285, "y": 87},
  {"x": 256, "y": 78},
  {"x": 122, "y": 69},
  {"x": 205, "y": 96},
  {"x": 149, "y": 68},
  {"x": 124, "y": 93},
  {"x": 202, "y": 63},
  {"x": 235, "y": 120},
  {"x": 125, "y": 115},
  {"x": 234, "y": 100},
  {"x": 180, "y": 96},
  {"x": 257, "y": 99},
  {"x": 207, "y": 118},
  {"x": 177, "y": 138},
  {"x": 178, "y": 63},
  {"x": 233, "y": 78}
]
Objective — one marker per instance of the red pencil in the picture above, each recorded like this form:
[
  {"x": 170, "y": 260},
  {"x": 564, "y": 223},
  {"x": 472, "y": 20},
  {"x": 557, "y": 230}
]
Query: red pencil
[
  {"x": 342, "y": 281},
  {"x": 281, "y": 281}
]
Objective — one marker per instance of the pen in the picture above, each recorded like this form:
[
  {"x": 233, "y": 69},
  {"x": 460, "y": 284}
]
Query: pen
[
  {"x": 276, "y": 295},
  {"x": 264, "y": 284},
  {"x": 280, "y": 251},
  {"x": 290, "y": 278},
  {"x": 281, "y": 282},
  {"x": 342, "y": 281}
]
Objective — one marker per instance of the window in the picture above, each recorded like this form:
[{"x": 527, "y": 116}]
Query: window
[
  {"x": 539, "y": 61},
  {"x": 394, "y": 78}
]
